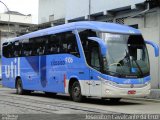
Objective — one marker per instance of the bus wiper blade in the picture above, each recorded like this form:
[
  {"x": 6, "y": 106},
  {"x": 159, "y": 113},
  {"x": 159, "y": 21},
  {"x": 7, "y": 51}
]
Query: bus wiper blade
[
  {"x": 135, "y": 62},
  {"x": 138, "y": 67}
]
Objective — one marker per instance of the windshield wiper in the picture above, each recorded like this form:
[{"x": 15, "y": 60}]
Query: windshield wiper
[{"x": 139, "y": 68}]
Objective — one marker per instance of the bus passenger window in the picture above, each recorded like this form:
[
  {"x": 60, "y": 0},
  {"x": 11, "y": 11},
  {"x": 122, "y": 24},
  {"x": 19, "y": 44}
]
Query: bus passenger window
[
  {"x": 63, "y": 43},
  {"x": 72, "y": 46},
  {"x": 40, "y": 50},
  {"x": 85, "y": 43},
  {"x": 6, "y": 49}
]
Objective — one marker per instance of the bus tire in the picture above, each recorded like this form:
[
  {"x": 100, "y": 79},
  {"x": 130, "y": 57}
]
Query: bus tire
[
  {"x": 19, "y": 87},
  {"x": 76, "y": 92}
]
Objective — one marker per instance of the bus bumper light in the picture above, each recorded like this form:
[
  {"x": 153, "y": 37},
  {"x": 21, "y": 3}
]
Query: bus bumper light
[{"x": 107, "y": 90}]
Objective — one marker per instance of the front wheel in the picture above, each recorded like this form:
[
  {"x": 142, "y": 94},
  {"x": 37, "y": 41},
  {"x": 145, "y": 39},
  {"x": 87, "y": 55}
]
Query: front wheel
[{"x": 76, "y": 92}]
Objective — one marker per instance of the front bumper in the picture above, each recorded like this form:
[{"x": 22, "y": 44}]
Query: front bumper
[{"x": 111, "y": 91}]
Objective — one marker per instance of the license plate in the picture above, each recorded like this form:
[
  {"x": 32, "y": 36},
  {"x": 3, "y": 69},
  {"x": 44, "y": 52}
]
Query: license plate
[{"x": 131, "y": 92}]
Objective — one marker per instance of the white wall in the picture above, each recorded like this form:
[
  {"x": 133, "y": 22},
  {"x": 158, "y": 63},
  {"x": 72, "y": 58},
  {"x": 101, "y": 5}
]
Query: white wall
[
  {"x": 71, "y": 9},
  {"x": 50, "y": 7},
  {"x": 79, "y": 8}
]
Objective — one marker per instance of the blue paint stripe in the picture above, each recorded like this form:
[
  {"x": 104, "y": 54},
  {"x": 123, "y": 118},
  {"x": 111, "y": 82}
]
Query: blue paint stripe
[{"x": 34, "y": 63}]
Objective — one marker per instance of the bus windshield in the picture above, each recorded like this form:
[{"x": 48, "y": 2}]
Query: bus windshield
[{"x": 126, "y": 56}]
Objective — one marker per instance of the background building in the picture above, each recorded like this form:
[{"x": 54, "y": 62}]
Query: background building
[
  {"x": 51, "y": 12},
  {"x": 12, "y": 24},
  {"x": 141, "y": 14}
]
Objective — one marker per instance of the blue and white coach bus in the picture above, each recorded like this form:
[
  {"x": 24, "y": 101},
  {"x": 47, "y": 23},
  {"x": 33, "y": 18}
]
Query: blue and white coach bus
[{"x": 93, "y": 59}]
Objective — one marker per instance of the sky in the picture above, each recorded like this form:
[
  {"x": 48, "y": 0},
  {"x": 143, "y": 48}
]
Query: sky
[{"x": 23, "y": 6}]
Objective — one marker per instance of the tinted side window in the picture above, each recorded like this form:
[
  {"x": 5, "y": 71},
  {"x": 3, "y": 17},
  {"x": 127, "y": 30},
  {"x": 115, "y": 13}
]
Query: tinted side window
[
  {"x": 44, "y": 45},
  {"x": 86, "y": 43},
  {"x": 11, "y": 49},
  {"x": 70, "y": 44},
  {"x": 6, "y": 50},
  {"x": 38, "y": 45},
  {"x": 63, "y": 43},
  {"x": 95, "y": 55}
]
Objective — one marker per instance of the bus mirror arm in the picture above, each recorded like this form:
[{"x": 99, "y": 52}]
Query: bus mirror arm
[
  {"x": 155, "y": 46},
  {"x": 101, "y": 43}
]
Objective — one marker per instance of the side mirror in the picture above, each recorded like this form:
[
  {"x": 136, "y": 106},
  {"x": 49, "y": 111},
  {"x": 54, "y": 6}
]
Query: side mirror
[
  {"x": 155, "y": 46},
  {"x": 101, "y": 43}
]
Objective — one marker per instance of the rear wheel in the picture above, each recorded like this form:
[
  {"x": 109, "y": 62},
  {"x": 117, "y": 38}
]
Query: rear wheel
[
  {"x": 19, "y": 87},
  {"x": 76, "y": 92}
]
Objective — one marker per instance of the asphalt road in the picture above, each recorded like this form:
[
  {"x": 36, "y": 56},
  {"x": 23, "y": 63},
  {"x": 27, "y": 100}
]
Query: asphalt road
[{"x": 39, "y": 106}]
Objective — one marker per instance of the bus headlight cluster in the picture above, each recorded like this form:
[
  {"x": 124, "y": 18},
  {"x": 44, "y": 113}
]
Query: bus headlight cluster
[
  {"x": 108, "y": 82},
  {"x": 147, "y": 83},
  {"x": 107, "y": 91}
]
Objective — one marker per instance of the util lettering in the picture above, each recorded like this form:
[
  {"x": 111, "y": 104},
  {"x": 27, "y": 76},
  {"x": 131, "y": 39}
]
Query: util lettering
[{"x": 13, "y": 70}]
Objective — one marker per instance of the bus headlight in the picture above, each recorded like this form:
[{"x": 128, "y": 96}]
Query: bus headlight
[
  {"x": 147, "y": 83},
  {"x": 108, "y": 82}
]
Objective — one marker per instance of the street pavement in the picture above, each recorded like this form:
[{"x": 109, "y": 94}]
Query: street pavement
[
  {"x": 39, "y": 103},
  {"x": 38, "y": 106}
]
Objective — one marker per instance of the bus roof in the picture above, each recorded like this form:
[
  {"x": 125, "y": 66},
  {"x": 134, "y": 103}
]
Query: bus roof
[{"x": 94, "y": 25}]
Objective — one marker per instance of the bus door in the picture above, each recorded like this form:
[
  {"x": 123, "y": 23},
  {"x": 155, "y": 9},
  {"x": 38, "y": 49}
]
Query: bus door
[
  {"x": 58, "y": 77},
  {"x": 95, "y": 83},
  {"x": 55, "y": 73}
]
